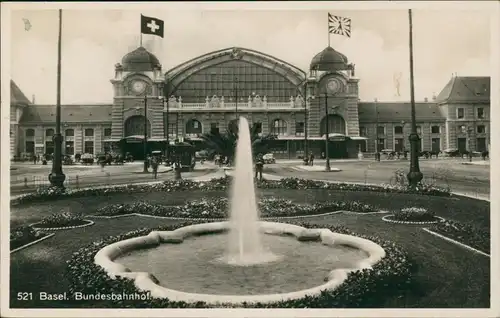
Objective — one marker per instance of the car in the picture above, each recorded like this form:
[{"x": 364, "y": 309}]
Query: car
[{"x": 268, "y": 158}]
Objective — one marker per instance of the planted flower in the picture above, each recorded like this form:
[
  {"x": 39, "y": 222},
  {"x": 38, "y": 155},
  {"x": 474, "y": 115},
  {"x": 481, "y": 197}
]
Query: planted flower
[
  {"x": 465, "y": 233},
  {"x": 414, "y": 214},
  {"x": 63, "y": 219}
]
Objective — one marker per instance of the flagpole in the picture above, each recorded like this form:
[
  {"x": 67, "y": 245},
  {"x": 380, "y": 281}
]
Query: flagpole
[
  {"x": 328, "y": 27},
  {"x": 140, "y": 37}
]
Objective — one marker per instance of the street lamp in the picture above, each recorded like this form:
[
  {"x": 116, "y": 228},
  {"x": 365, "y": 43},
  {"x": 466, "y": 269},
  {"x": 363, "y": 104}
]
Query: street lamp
[
  {"x": 469, "y": 134},
  {"x": 236, "y": 98},
  {"x": 333, "y": 89},
  {"x": 57, "y": 177},
  {"x": 414, "y": 176},
  {"x": 166, "y": 106},
  {"x": 306, "y": 118}
]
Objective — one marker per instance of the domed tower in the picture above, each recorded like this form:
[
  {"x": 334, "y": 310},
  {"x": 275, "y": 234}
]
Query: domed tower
[
  {"x": 332, "y": 83},
  {"x": 138, "y": 80}
]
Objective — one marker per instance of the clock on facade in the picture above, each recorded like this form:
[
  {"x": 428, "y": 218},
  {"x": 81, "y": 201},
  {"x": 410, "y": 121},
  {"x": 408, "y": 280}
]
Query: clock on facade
[
  {"x": 138, "y": 86},
  {"x": 333, "y": 86}
]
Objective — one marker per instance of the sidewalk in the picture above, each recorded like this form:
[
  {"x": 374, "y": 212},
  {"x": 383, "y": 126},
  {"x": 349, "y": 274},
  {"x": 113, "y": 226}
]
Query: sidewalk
[{"x": 316, "y": 168}]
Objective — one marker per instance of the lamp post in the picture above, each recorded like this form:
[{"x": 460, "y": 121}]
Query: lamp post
[
  {"x": 469, "y": 143},
  {"x": 166, "y": 122},
  {"x": 377, "y": 155},
  {"x": 403, "y": 123},
  {"x": 236, "y": 98},
  {"x": 306, "y": 119},
  {"x": 145, "y": 170},
  {"x": 327, "y": 133},
  {"x": 414, "y": 176},
  {"x": 57, "y": 177}
]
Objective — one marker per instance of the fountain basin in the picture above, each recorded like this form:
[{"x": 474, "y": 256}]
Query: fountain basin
[{"x": 108, "y": 256}]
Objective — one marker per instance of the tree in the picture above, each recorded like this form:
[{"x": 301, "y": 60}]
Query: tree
[{"x": 225, "y": 144}]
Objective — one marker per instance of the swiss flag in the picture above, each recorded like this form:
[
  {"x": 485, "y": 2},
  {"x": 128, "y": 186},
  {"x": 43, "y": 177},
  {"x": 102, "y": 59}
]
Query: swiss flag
[{"x": 152, "y": 26}]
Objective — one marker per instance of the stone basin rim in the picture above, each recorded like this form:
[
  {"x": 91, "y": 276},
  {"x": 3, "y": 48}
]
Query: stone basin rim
[{"x": 147, "y": 282}]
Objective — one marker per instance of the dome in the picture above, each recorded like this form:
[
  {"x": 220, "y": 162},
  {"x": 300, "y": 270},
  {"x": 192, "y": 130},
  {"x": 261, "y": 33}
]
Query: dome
[
  {"x": 329, "y": 60},
  {"x": 140, "y": 60}
]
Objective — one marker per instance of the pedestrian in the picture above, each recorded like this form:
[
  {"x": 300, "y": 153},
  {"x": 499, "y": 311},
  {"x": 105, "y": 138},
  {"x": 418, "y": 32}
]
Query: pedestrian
[
  {"x": 259, "y": 166},
  {"x": 311, "y": 158},
  {"x": 154, "y": 165},
  {"x": 34, "y": 159}
]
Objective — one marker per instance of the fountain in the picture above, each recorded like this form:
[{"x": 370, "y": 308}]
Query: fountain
[
  {"x": 245, "y": 246},
  {"x": 247, "y": 261}
]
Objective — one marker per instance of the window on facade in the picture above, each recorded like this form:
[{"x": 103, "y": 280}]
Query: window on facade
[
  {"x": 362, "y": 146},
  {"x": 107, "y": 146},
  {"x": 30, "y": 133},
  {"x": 435, "y": 129},
  {"x": 380, "y": 130},
  {"x": 481, "y": 144},
  {"x": 49, "y": 147},
  {"x": 436, "y": 144},
  {"x": 88, "y": 147},
  {"x": 258, "y": 127},
  {"x": 279, "y": 127},
  {"x": 398, "y": 144},
  {"x": 362, "y": 131},
  {"x": 419, "y": 130},
  {"x": 299, "y": 128},
  {"x": 70, "y": 148},
  {"x": 30, "y": 147},
  {"x": 193, "y": 126},
  {"x": 89, "y": 132},
  {"x": 172, "y": 129},
  {"x": 69, "y": 133},
  {"x": 49, "y": 132},
  {"x": 481, "y": 129},
  {"x": 107, "y": 132},
  {"x": 214, "y": 128},
  {"x": 235, "y": 78},
  {"x": 380, "y": 144},
  {"x": 460, "y": 113},
  {"x": 398, "y": 130},
  {"x": 480, "y": 113}
]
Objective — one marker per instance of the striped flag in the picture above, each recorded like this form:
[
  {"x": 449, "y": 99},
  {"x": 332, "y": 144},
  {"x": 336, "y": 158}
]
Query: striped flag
[{"x": 339, "y": 25}]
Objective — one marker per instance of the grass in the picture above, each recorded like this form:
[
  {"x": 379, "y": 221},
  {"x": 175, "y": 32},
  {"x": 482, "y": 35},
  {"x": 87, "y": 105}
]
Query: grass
[{"x": 448, "y": 276}]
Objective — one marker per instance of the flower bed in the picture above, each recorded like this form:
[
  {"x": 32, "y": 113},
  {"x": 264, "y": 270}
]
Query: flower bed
[
  {"x": 414, "y": 214},
  {"x": 366, "y": 288},
  {"x": 218, "y": 208},
  {"x": 61, "y": 220},
  {"x": 464, "y": 233},
  {"x": 52, "y": 193},
  {"x": 23, "y": 235}
]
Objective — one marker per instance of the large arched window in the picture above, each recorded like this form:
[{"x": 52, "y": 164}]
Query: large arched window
[
  {"x": 49, "y": 132},
  {"x": 193, "y": 127},
  {"x": 134, "y": 126},
  {"x": 89, "y": 132},
  {"x": 236, "y": 79},
  {"x": 279, "y": 127},
  {"x": 69, "y": 132},
  {"x": 336, "y": 125},
  {"x": 30, "y": 133}
]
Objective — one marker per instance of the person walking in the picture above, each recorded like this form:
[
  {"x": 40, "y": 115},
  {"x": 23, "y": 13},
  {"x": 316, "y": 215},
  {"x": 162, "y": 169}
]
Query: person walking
[
  {"x": 311, "y": 158},
  {"x": 154, "y": 165},
  {"x": 259, "y": 166}
]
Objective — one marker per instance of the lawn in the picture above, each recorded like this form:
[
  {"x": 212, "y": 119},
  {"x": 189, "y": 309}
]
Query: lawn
[{"x": 448, "y": 276}]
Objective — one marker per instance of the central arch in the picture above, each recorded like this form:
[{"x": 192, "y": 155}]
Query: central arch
[
  {"x": 134, "y": 126},
  {"x": 223, "y": 72},
  {"x": 336, "y": 125}
]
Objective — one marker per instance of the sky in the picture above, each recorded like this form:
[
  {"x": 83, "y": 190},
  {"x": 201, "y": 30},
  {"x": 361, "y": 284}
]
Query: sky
[{"x": 93, "y": 41}]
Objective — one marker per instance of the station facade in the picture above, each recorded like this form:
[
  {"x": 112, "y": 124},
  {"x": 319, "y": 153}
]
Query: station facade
[{"x": 208, "y": 93}]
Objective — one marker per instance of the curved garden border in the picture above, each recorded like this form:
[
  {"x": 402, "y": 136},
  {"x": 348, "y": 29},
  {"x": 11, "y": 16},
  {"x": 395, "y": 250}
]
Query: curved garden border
[
  {"x": 386, "y": 218},
  {"x": 224, "y": 219},
  {"x": 49, "y": 235},
  {"x": 89, "y": 223},
  {"x": 146, "y": 281}
]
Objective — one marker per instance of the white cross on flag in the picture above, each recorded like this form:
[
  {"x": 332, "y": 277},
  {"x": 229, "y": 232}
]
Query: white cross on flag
[{"x": 151, "y": 26}]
